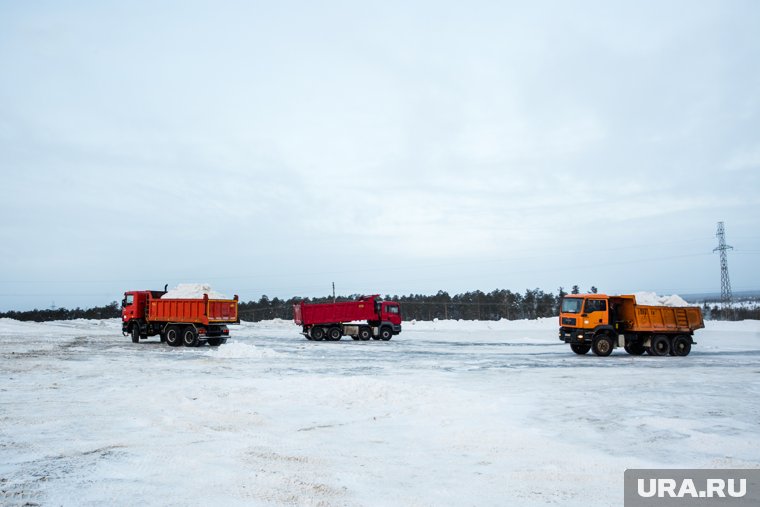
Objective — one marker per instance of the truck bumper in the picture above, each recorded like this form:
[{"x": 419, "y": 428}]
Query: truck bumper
[
  {"x": 396, "y": 328},
  {"x": 572, "y": 335},
  {"x": 214, "y": 331}
]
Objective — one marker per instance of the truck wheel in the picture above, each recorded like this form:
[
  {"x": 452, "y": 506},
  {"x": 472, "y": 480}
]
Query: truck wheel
[
  {"x": 190, "y": 337},
  {"x": 580, "y": 348},
  {"x": 172, "y": 336},
  {"x": 660, "y": 346},
  {"x": 681, "y": 346},
  {"x": 317, "y": 333},
  {"x": 334, "y": 334},
  {"x": 365, "y": 333},
  {"x": 386, "y": 333},
  {"x": 602, "y": 346},
  {"x": 135, "y": 333},
  {"x": 635, "y": 349}
]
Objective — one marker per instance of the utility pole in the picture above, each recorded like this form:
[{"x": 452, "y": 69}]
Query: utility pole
[{"x": 726, "y": 299}]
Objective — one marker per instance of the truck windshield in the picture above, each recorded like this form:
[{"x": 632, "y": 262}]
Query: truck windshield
[
  {"x": 571, "y": 305},
  {"x": 128, "y": 300}
]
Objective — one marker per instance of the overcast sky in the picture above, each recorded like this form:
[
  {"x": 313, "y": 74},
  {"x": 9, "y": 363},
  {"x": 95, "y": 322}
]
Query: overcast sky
[{"x": 391, "y": 147}]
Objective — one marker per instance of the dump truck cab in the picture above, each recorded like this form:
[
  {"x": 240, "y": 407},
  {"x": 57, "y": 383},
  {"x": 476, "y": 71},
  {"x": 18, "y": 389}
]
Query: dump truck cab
[
  {"x": 585, "y": 313},
  {"x": 390, "y": 311},
  {"x": 591, "y": 321},
  {"x": 135, "y": 304}
]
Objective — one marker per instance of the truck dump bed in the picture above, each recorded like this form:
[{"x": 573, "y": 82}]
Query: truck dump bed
[
  {"x": 305, "y": 314},
  {"x": 669, "y": 319},
  {"x": 196, "y": 311},
  {"x": 666, "y": 318}
]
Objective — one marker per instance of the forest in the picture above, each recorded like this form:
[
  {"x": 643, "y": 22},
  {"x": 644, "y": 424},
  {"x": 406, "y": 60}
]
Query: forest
[{"x": 475, "y": 305}]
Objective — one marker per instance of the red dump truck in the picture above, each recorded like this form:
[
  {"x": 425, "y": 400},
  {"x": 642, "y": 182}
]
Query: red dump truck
[
  {"x": 368, "y": 317},
  {"x": 191, "y": 322},
  {"x": 600, "y": 323}
]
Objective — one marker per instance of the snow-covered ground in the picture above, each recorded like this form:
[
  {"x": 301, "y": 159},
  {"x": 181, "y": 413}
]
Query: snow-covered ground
[{"x": 447, "y": 413}]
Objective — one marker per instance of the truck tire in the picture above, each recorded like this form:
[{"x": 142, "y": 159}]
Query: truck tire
[
  {"x": 681, "y": 345},
  {"x": 334, "y": 334},
  {"x": 135, "y": 333},
  {"x": 385, "y": 333},
  {"x": 172, "y": 336},
  {"x": 317, "y": 334},
  {"x": 365, "y": 333},
  {"x": 635, "y": 348},
  {"x": 190, "y": 336},
  {"x": 660, "y": 345},
  {"x": 580, "y": 348},
  {"x": 602, "y": 345}
]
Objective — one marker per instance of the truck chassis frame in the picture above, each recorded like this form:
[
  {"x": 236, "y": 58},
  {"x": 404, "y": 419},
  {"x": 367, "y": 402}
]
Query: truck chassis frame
[
  {"x": 603, "y": 339},
  {"x": 334, "y": 331},
  {"x": 177, "y": 333}
]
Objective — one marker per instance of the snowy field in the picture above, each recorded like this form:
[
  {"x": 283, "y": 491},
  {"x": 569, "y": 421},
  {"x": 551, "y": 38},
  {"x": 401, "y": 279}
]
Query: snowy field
[{"x": 447, "y": 413}]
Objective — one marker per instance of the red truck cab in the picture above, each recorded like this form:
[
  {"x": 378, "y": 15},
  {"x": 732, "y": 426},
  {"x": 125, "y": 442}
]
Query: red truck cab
[
  {"x": 390, "y": 312},
  {"x": 135, "y": 304}
]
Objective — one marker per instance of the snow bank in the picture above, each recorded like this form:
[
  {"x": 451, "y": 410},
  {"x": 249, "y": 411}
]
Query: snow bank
[
  {"x": 652, "y": 299},
  {"x": 192, "y": 291},
  {"x": 333, "y": 423}
]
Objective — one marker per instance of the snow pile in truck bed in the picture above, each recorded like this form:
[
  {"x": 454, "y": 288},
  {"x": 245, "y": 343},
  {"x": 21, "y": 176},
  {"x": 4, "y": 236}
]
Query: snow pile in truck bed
[
  {"x": 652, "y": 299},
  {"x": 192, "y": 291}
]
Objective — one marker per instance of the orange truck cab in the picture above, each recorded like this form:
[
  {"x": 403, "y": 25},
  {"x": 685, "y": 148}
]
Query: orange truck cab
[{"x": 601, "y": 323}]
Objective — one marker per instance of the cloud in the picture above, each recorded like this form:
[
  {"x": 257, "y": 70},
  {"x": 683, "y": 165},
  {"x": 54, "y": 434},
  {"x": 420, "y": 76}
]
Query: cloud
[
  {"x": 746, "y": 160},
  {"x": 340, "y": 136}
]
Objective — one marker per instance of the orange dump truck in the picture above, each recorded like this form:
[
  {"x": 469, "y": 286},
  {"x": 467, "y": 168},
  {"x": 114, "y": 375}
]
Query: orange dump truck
[
  {"x": 191, "y": 322},
  {"x": 600, "y": 323}
]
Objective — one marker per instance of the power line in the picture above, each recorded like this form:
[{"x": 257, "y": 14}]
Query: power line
[{"x": 725, "y": 282}]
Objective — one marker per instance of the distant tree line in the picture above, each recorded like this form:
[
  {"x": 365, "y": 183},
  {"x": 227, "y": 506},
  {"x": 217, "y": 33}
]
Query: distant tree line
[
  {"x": 109, "y": 311},
  {"x": 715, "y": 312},
  {"x": 475, "y": 305}
]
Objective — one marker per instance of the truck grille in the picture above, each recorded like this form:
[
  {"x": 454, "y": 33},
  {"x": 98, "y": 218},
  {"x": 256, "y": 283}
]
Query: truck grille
[{"x": 568, "y": 321}]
